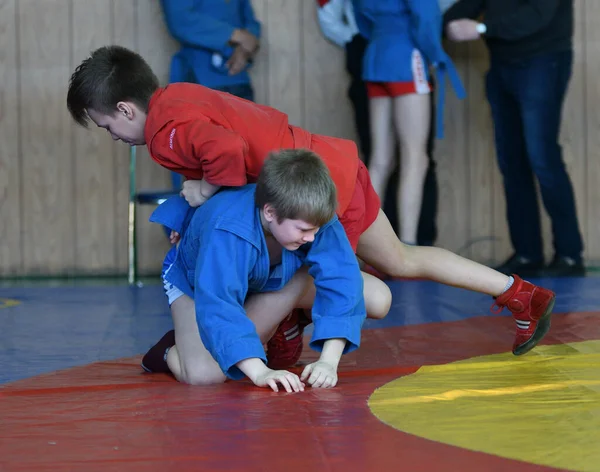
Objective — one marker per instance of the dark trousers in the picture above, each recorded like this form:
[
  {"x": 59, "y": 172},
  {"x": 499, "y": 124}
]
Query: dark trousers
[
  {"x": 427, "y": 230},
  {"x": 526, "y": 99}
]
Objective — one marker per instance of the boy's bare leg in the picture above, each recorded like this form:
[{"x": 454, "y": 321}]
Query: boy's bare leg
[
  {"x": 380, "y": 247},
  {"x": 190, "y": 362},
  {"x": 378, "y": 297},
  {"x": 530, "y": 305}
]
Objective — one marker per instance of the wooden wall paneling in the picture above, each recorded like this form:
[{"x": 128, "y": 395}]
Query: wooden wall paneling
[
  {"x": 482, "y": 158},
  {"x": 11, "y": 184},
  {"x": 46, "y": 129},
  {"x": 259, "y": 72},
  {"x": 573, "y": 132},
  {"x": 124, "y": 28},
  {"x": 327, "y": 108},
  {"x": 156, "y": 46},
  {"x": 592, "y": 72},
  {"x": 286, "y": 58},
  {"x": 502, "y": 244},
  {"x": 452, "y": 163},
  {"x": 92, "y": 154}
]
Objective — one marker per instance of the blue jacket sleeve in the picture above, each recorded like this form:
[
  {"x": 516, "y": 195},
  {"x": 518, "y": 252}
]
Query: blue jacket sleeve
[
  {"x": 339, "y": 307},
  {"x": 193, "y": 28},
  {"x": 221, "y": 285},
  {"x": 426, "y": 30},
  {"x": 250, "y": 21},
  {"x": 363, "y": 22}
]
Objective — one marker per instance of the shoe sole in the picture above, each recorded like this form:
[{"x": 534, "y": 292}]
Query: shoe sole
[{"x": 541, "y": 329}]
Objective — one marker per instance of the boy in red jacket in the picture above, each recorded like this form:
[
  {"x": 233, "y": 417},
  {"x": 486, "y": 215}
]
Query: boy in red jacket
[{"x": 215, "y": 139}]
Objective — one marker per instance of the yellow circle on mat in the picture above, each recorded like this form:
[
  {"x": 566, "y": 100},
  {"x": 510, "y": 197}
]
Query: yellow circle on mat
[
  {"x": 6, "y": 302},
  {"x": 542, "y": 408}
]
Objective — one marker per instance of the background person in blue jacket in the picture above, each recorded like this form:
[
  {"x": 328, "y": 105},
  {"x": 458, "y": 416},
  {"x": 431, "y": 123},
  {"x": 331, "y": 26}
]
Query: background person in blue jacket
[
  {"x": 404, "y": 41},
  {"x": 240, "y": 257},
  {"x": 338, "y": 24},
  {"x": 219, "y": 39}
]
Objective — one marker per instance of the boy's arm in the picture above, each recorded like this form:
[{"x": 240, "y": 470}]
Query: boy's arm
[
  {"x": 331, "y": 19},
  {"x": 339, "y": 307},
  {"x": 197, "y": 192},
  {"x": 250, "y": 22},
  {"x": 220, "y": 289},
  {"x": 193, "y": 28},
  {"x": 198, "y": 144}
]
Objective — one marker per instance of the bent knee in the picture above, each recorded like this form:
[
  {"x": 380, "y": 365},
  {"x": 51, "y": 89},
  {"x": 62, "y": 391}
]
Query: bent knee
[
  {"x": 202, "y": 376},
  {"x": 378, "y": 299}
]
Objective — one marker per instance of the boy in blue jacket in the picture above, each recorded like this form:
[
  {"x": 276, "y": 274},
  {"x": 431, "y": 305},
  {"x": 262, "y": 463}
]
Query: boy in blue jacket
[{"x": 241, "y": 257}]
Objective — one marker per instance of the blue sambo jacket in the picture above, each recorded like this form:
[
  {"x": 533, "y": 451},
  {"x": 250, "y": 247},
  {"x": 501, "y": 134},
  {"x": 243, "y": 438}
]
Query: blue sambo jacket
[
  {"x": 395, "y": 28},
  {"x": 222, "y": 257},
  {"x": 203, "y": 27}
]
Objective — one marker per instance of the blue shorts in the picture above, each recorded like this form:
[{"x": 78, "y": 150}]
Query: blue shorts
[{"x": 172, "y": 292}]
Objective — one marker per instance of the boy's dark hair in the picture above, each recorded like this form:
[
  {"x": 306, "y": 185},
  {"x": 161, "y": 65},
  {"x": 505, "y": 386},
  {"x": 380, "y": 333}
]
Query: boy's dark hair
[
  {"x": 297, "y": 184},
  {"x": 110, "y": 75}
]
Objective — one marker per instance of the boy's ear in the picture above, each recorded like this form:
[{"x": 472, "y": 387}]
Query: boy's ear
[
  {"x": 269, "y": 212},
  {"x": 125, "y": 108}
]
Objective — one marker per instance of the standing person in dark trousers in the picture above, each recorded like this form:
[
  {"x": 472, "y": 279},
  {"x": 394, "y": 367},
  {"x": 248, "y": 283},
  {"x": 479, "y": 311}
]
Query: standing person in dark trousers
[
  {"x": 531, "y": 58},
  {"x": 338, "y": 24}
]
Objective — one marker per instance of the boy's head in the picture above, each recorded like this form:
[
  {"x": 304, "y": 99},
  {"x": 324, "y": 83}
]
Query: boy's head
[
  {"x": 296, "y": 196},
  {"x": 113, "y": 87}
]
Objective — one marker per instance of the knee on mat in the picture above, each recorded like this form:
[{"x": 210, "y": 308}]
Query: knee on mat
[{"x": 201, "y": 376}]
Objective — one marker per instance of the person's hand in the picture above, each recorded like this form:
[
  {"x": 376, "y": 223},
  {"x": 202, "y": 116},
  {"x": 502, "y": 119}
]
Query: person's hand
[
  {"x": 246, "y": 40},
  {"x": 462, "y": 30},
  {"x": 192, "y": 192},
  {"x": 320, "y": 374},
  {"x": 174, "y": 237},
  {"x": 271, "y": 378},
  {"x": 238, "y": 61}
]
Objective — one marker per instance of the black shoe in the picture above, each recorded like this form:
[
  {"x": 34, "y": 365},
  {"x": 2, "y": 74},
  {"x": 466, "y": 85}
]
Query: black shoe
[
  {"x": 521, "y": 266},
  {"x": 564, "y": 267},
  {"x": 154, "y": 361}
]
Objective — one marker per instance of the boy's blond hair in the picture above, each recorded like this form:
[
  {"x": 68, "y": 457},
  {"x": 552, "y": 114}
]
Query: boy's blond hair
[{"x": 297, "y": 184}]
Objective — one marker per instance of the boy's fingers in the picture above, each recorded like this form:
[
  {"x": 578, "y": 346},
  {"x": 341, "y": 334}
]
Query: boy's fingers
[
  {"x": 306, "y": 372},
  {"x": 316, "y": 379},
  {"x": 284, "y": 382}
]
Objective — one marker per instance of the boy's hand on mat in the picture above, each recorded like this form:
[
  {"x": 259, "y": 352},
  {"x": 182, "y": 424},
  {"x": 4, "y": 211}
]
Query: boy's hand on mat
[
  {"x": 320, "y": 374},
  {"x": 262, "y": 376},
  {"x": 291, "y": 382}
]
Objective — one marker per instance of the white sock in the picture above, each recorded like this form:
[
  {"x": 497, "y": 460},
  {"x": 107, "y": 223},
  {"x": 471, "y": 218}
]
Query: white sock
[{"x": 509, "y": 284}]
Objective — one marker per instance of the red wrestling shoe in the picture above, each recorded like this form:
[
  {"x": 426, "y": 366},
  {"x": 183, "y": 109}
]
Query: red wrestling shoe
[
  {"x": 531, "y": 307},
  {"x": 285, "y": 347}
]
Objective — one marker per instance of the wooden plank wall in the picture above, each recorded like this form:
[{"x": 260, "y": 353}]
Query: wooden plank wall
[{"x": 63, "y": 190}]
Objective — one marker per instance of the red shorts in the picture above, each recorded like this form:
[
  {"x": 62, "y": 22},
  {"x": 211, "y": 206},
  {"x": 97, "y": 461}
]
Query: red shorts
[
  {"x": 395, "y": 89},
  {"x": 363, "y": 208}
]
